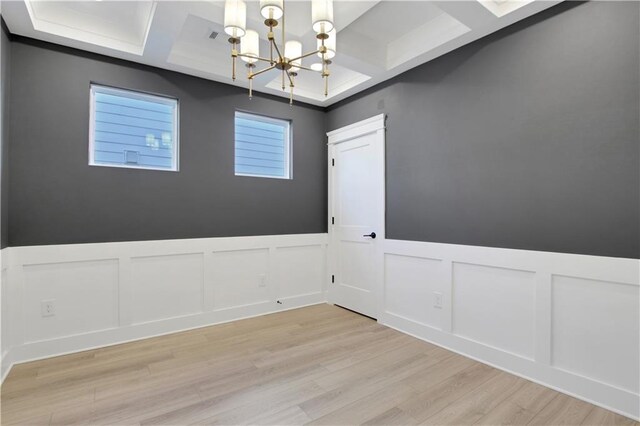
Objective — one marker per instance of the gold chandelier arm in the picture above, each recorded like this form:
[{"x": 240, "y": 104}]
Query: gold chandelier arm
[
  {"x": 280, "y": 56},
  {"x": 261, "y": 71},
  {"x": 254, "y": 57},
  {"x": 306, "y": 55}
]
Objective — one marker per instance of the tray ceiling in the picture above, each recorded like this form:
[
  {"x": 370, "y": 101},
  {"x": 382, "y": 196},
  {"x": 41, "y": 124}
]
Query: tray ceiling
[{"x": 376, "y": 39}]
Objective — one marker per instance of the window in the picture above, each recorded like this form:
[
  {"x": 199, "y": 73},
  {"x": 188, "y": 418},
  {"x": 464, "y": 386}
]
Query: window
[
  {"x": 263, "y": 146},
  {"x": 132, "y": 129}
]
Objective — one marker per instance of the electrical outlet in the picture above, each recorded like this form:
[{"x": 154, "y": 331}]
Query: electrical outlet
[
  {"x": 48, "y": 308},
  {"x": 263, "y": 280},
  {"x": 437, "y": 299}
]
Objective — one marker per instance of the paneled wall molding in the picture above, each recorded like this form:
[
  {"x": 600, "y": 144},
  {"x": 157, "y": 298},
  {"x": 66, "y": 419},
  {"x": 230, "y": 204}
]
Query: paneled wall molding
[
  {"x": 570, "y": 322},
  {"x": 108, "y": 293}
]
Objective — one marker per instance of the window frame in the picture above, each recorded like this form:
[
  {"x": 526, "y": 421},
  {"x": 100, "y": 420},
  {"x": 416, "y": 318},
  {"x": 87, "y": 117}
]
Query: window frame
[
  {"x": 288, "y": 149},
  {"x": 144, "y": 96}
]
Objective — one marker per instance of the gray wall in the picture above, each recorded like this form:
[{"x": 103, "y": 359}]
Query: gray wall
[
  {"x": 5, "y": 51},
  {"x": 528, "y": 138},
  {"x": 56, "y": 198}
]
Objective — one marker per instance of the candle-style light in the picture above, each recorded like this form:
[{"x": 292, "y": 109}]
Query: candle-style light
[
  {"x": 322, "y": 16},
  {"x": 235, "y": 18},
  {"x": 272, "y": 9},
  {"x": 250, "y": 47}
]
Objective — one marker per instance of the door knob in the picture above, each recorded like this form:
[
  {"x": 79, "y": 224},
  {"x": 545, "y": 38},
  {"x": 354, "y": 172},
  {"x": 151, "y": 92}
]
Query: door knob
[{"x": 371, "y": 235}]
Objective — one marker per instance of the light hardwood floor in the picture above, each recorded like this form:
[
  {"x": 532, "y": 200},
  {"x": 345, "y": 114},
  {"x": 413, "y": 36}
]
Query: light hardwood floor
[{"x": 320, "y": 364}]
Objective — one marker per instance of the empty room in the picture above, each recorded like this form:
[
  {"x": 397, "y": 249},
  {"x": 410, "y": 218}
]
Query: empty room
[{"x": 337, "y": 212}]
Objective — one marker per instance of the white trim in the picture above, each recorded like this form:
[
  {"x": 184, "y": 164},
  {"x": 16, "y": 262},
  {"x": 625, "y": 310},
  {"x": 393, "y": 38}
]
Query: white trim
[
  {"x": 360, "y": 128},
  {"x": 99, "y": 339}
]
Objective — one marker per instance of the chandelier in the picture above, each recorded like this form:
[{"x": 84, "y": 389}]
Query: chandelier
[{"x": 285, "y": 56}]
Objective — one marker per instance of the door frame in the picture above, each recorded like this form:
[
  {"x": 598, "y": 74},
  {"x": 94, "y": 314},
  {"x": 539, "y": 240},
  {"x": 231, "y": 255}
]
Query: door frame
[{"x": 374, "y": 126}]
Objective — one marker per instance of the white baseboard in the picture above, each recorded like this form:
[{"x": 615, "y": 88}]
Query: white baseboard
[
  {"x": 6, "y": 363},
  {"x": 99, "y": 339}
]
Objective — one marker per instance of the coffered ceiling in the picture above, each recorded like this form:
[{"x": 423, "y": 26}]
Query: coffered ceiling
[{"x": 377, "y": 39}]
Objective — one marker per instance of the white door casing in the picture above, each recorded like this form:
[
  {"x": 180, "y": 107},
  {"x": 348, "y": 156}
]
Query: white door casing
[{"x": 356, "y": 209}]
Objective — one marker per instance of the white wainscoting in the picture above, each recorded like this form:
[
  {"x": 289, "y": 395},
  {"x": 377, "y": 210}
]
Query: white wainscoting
[
  {"x": 571, "y": 322},
  {"x": 4, "y": 312},
  {"x": 109, "y": 293}
]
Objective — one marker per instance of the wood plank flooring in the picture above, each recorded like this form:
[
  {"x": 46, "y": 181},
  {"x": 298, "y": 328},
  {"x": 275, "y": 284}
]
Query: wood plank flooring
[{"x": 315, "y": 365}]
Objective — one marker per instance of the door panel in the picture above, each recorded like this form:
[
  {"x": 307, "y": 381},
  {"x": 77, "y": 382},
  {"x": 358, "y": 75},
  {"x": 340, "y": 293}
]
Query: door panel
[
  {"x": 357, "y": 200},
  {"x": 354, "y": 264}
]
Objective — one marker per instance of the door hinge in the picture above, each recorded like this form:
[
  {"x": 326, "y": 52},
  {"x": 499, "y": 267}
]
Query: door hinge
[
  {"x": 333, "y": 278},
  {"x": 333, "y": 220},
  {"x": 333, "y": 161}
]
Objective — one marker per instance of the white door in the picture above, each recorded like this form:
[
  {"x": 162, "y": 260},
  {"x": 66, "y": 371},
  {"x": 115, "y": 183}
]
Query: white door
[{"x": 356, "y": 215}]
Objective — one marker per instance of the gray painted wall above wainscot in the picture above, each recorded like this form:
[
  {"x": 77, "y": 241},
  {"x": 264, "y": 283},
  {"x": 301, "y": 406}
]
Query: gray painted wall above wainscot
[
  {"x": 5, "y": 90},
  {"x": 57, "y": 198},
  {"x": 528, "y": 138}
]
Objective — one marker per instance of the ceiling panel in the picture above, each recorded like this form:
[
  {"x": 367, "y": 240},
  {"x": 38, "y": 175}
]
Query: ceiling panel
[{"x": 118, "y": 25}]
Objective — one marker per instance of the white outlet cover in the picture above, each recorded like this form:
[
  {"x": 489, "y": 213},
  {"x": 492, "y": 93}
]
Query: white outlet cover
[
  {"x": 48, "y": 308},
  {"x": 263, "y": 280},
  {"x": 437, "y": 299}
]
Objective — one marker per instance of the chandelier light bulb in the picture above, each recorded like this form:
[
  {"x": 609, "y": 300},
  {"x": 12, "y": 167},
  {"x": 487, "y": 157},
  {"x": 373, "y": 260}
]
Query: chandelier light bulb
[
  {"x": 293, "y": 49},
  {"x": 271, "y": 9},
  {"x": 250, "y": 46},
  {"x": 235, "y": 18},
  {"x": 322, "y": 16},
  {"x": 330, "y": 44}
]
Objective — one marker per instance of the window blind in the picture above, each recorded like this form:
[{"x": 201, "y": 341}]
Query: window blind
[
  {"x": 262, "y": 146},
  {"x": 131, "y": 129}
]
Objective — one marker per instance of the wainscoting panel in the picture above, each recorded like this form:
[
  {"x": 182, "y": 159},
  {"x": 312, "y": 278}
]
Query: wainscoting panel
[
  {"x": 570, "y": 322},
  {"x": 410, "y": 287},
  {"x": 241, "y": 277},
  {"x": 301, "y": 270},
  {"x": 596, "y": 330},
  {"x": 494, "y": 306},
  {"x": 111, "y": 293},
  {"x": 167, "y": 286},
  {"x": 84, "y": 295},
  {"x": 4, "y": 310}
]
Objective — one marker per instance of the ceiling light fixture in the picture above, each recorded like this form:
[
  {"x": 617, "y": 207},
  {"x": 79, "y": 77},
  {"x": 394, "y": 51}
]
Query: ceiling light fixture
[{"x": 287, "y": 55}]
